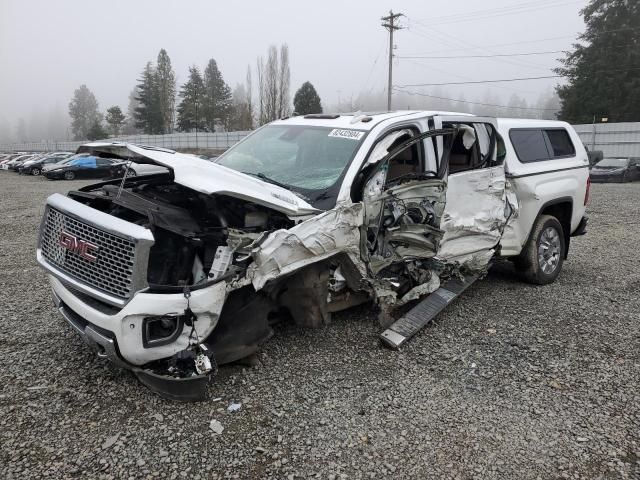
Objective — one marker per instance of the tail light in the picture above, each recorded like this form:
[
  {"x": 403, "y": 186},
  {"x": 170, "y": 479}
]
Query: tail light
[{"x": 587, "y": 193}]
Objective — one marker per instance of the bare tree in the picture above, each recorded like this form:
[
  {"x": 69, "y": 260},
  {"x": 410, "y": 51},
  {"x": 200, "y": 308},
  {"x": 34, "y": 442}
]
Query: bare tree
[
  {"x": 284, "y": 80},
  {"x": 271, "y": 81},
  {"x": 249, "y": 97},
  {"x": 273, "y": 85},
  {"x": 262, "y": 114}
]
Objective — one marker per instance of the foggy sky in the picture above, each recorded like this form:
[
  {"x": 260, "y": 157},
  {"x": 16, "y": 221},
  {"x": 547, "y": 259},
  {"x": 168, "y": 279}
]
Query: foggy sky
[{"x": 48, "y": 48}]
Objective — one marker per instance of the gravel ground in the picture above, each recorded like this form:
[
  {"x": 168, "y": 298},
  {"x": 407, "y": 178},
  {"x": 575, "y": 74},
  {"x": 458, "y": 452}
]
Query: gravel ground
[{"x": 513, "y": 381}]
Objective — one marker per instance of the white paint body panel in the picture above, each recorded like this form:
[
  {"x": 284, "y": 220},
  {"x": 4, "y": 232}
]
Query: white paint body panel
[
  {"x": 536, "y": 184},
  {"x": 474, "y": 216},
  {"x": 205, "y": 303}
]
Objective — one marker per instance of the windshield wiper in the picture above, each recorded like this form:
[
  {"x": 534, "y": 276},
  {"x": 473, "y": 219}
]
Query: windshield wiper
[
  {"x": 262, "y": 176},
  {"x": 322, "y": 195}
]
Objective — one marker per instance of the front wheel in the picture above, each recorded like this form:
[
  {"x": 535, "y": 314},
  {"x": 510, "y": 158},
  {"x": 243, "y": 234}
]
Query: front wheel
[
  {"x": 35, "y": 172},
  {"x": 541, "y": 259},
  {"x": 69, "y": 175}
]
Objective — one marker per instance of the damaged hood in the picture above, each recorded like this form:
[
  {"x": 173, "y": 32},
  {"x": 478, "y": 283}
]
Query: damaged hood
[{"x": 207, "y": 177}]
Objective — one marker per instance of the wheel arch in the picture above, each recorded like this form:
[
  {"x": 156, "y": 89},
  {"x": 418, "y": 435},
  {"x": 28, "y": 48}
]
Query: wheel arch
[{"x": 562, "y": 209}]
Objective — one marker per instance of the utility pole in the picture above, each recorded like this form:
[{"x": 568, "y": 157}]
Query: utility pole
[{"x": 391, "y": 25}]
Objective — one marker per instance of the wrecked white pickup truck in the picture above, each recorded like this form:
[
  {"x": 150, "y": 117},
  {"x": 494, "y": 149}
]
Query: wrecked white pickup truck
[{"x": 174, "y": 273}]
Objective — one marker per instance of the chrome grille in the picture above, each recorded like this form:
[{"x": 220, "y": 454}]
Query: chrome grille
[{"x": 111, "y": 272}]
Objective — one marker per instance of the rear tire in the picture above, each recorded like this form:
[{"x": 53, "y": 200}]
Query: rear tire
[
  {"x": 131, "y": 173},
  {"x": 69, "y": 175},
  {"x": 540, "y": 261},
  {"x": 35, "y": 172}
]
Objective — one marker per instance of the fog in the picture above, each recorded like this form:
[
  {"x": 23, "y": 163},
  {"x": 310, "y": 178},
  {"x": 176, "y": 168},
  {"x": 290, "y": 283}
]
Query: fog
[{"x": 49, "y": 48}]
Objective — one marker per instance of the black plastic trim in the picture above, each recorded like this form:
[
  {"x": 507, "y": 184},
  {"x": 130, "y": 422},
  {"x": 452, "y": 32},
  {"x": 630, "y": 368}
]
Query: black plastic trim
[
  {"x": 582, "y": 227},
  {"x": 511, "y": 175},
  {"x": 147, "y": 343}
]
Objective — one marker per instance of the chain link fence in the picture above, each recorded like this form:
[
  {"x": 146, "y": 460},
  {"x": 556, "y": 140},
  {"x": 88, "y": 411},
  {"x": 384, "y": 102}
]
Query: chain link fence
[{"x": 173, "y": 141}]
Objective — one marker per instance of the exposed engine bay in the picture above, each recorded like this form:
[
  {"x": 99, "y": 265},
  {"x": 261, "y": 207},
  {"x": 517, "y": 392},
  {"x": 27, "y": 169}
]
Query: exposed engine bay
[
  {"x": 231, "y": 262},
  {"x": 188, "y": 227}
]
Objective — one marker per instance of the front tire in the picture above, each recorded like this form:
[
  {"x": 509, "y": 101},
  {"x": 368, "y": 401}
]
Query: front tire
[
  {"x": 69, "y": 175},
  {"x": 541, "y": 259},
  {"x": 35, "y": 172}
]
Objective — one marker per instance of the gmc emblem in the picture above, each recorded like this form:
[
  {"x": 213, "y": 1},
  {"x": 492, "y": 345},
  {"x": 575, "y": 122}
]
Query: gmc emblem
[{"x": 86, "y": 250}]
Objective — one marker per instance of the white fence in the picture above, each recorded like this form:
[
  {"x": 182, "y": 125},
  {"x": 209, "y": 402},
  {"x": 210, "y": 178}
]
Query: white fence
[
  {"x": 174, "y": 141},
  {"x": 614, "y": 139}
]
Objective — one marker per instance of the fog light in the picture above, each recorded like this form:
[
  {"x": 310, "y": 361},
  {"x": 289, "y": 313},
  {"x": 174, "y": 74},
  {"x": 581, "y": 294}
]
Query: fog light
[{"x": 161, "y": 330}]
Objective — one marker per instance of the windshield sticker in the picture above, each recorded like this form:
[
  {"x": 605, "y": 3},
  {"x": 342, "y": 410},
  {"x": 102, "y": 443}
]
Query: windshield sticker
[{"x": 350, "y": 134}]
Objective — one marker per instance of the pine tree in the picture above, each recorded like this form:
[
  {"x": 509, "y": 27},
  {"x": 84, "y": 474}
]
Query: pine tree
[
  {"x": 130, "y": 122},
  {"x": 217, "y": 97},
  {"x": 83, "y": 110},
  {"x": 603, "y": 73},
  {"x": 147, "y": 113},
  {"x": 306, "y": 100},
  {"x": 97, "y": 131},
  {"x": 115, "y": 118},
  {"x": 166, "y": 90},
  {"x": 190, "y": 109}
]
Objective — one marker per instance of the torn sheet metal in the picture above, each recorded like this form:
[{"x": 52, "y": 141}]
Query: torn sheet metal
[
  {"x": 402, "y": 223},
  {"x": 476, "y": 210},
  {"x": 314, "y": 240},
  {"x": 418, "y": 291}
]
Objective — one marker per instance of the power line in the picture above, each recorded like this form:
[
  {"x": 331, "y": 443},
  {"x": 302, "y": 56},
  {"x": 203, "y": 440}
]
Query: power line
[
  {"x": 432, "y": 68},
  {"x": 495, "y": 12},
  {"x": 484, "y": 56},
  {"x": 479, "y": 81},
  {"x": 409, "y": 92},
  {"x": 432, "y": 57},
  {"x": 480, "y": 47},
  {"x": 487, "y": 14},
  {"x": 441, "y": 36},
  {"x": 512, "y": 79}
]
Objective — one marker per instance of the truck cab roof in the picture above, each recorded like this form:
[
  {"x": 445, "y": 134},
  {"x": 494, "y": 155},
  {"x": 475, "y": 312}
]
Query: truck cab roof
[{"x": 359, "y": 120}]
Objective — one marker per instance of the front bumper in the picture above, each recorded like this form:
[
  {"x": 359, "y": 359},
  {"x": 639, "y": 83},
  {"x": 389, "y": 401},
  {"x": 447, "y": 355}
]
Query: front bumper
[
  {"x": 53, "y": 175},
  {"x": 125, "y": 325},
  {"x": 99, "y": 340},
  {"x": 124, "y": 347}
]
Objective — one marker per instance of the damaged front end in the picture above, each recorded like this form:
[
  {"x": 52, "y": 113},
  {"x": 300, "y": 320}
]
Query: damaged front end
[{"x": 174, "y": 274}]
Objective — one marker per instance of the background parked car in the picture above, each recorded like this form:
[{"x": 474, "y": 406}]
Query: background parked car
[
  {"x": 135, "y": 169},
  {"x": 616, "y": 170},
  {"x": 17, "y": 161},
  {"x": 34, "y": 166},
  {"x": 51, "y": 166},
  {"x": 84, "y": 167}
]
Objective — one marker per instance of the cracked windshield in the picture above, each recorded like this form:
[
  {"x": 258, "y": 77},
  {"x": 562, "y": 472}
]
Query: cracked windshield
[{"x": 298, "y": 156}]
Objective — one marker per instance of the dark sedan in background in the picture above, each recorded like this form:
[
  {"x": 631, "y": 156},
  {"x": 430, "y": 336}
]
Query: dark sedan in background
[
  {"x": 34, "y": 167},
  {"x": 84, "y": 167},
  {"x": 616, "y": 170}
]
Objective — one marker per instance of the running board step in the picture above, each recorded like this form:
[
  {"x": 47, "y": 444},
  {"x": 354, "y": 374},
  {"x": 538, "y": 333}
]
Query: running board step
[{"x": 419, "y": 316}]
